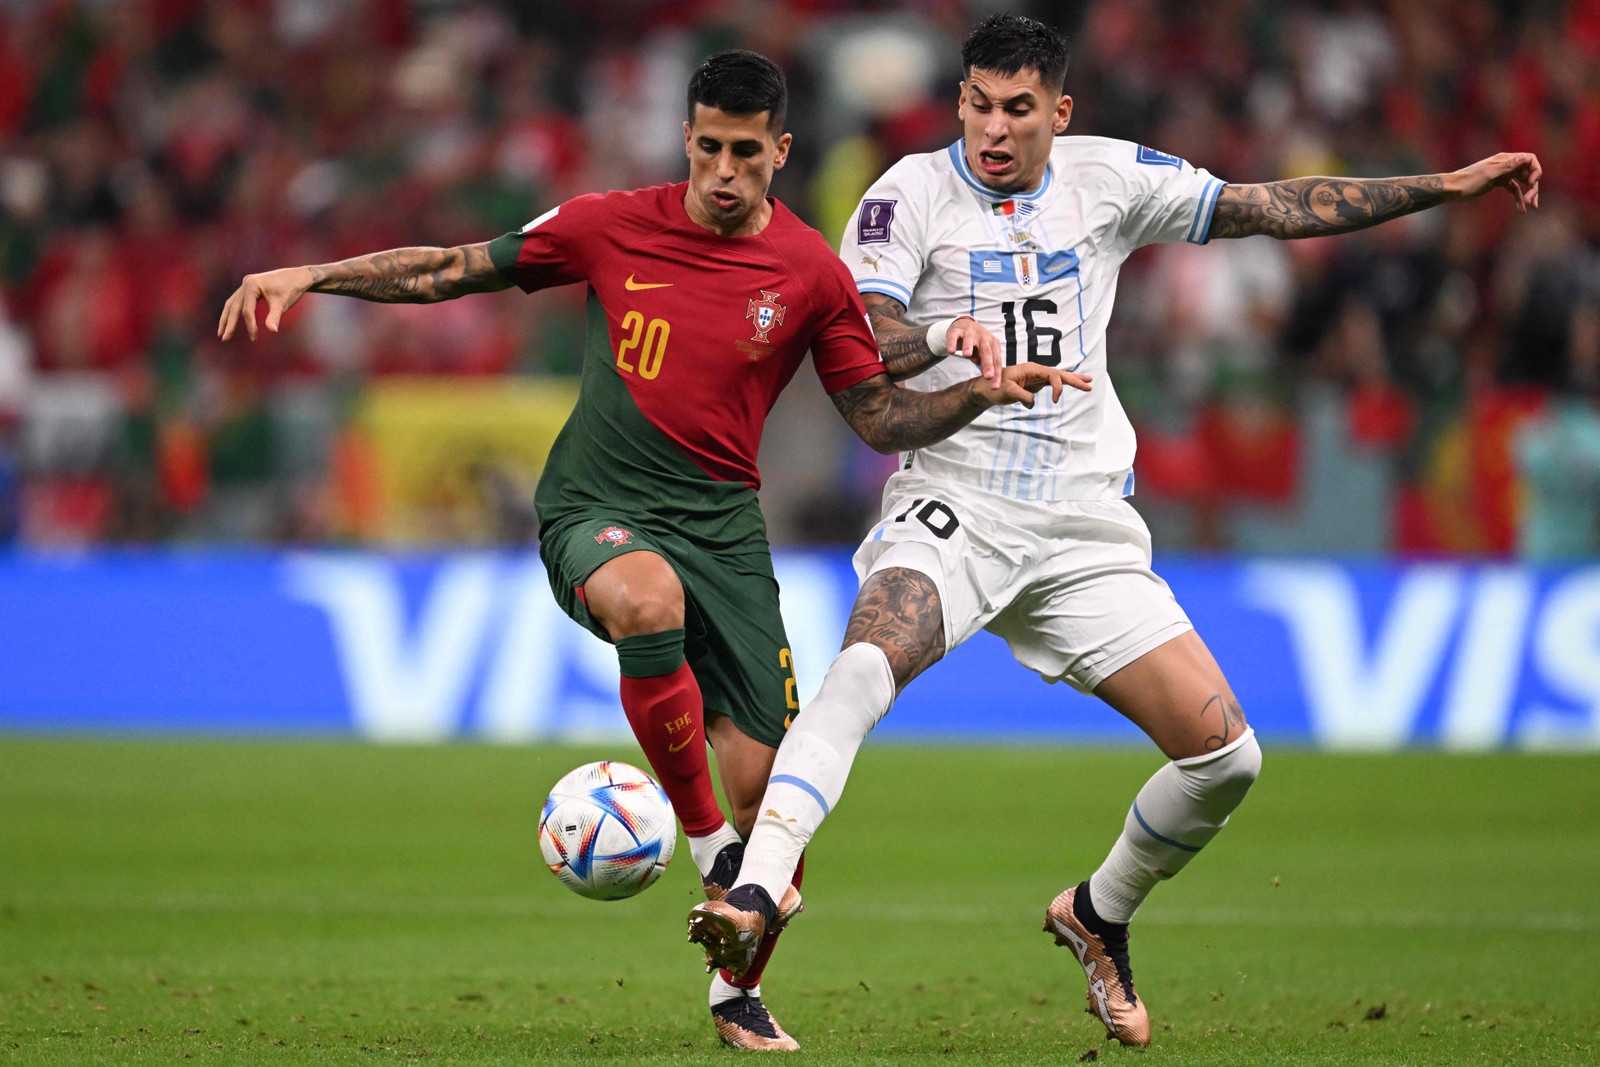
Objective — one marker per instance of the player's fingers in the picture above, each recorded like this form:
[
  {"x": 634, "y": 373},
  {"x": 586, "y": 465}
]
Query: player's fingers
[
  {"x": 964, "y": 345},
  {"x": 1018, "y": 392},
  {"x": 1081, "y": 381},
  {"x": 989, "y": 361},
  {"x": 247, "y": 309},
  {"x": 225, "y": 323},
  {"x": 274, "y": 313}
]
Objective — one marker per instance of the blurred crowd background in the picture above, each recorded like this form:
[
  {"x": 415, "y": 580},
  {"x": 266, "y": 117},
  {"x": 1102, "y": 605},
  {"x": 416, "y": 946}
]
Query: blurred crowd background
[{"x": 1426, "y": 387}]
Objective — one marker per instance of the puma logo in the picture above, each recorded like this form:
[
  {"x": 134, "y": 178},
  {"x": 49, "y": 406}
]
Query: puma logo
[{"x": 773, "y": 813}]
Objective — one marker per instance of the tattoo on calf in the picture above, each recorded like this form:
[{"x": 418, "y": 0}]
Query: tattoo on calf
[
  {"x": 899, "y": 611},
  {"x": 1232, "y": 721},
  {"x": 1317, "y": 207}
]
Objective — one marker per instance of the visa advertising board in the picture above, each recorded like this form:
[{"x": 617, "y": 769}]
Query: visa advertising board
[{"x": 472, "y": 646}]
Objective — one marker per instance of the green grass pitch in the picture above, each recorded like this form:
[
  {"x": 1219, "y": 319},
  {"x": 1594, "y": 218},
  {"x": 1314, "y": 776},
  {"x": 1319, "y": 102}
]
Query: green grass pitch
[{"x": 285, "y": 903}]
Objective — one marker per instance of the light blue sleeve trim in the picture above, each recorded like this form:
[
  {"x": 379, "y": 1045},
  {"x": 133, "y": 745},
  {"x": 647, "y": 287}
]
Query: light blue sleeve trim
[
  {"x": 885, "y": 287},
  {"x": 1200, "y": 232}
]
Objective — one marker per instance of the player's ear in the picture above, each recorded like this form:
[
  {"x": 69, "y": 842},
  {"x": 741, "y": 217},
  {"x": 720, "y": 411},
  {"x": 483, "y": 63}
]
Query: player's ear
[
  {"x": 688, "y": 149},
  {"x": 961, "y": 100},
  {"x": 781, "y": 156},
  {"x": 1063, "y": 114}
]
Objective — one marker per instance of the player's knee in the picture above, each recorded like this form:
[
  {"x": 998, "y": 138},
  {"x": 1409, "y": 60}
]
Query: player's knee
[
  {"x": 1221, "y": 779},
  {"x": 1242, "y": 769},
  {"x": 645, "y": 615},
  {"x": 635, "y": 594}
]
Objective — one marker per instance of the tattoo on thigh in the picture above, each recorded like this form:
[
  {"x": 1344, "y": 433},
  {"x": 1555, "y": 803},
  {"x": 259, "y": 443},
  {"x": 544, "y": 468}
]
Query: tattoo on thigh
[
  {"x": 1232, "y": 720},
  {"x": 898, "y": 610}
]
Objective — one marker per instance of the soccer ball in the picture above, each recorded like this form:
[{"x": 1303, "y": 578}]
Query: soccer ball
[{"x": 607, "y": 831}]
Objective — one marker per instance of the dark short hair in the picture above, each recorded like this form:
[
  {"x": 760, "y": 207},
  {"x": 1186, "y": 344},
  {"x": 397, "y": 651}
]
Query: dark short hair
[
  {"x": 1009, "y": 44},
  {"x": 741, "y": 82}
]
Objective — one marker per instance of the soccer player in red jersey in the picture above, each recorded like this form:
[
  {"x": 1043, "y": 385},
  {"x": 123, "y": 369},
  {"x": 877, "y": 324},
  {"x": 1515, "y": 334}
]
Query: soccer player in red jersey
[{"x": 704, "y": 298}]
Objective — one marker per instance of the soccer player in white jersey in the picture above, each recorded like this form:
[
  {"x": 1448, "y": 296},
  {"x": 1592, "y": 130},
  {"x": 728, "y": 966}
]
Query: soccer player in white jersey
[{"x": 1007, "y": 244}]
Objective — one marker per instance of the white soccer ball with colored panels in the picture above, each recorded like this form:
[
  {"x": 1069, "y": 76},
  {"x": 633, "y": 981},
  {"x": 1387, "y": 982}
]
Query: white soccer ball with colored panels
[{"x": 607, "y": 830}]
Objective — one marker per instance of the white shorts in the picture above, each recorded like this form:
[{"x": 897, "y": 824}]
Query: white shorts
[{"x": 1067, "y": 584}]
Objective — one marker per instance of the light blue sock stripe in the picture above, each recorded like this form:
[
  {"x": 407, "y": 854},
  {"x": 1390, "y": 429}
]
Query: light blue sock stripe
[
  {"x": 1152, "y": 833},
  {"x": 801, "y": 783}
]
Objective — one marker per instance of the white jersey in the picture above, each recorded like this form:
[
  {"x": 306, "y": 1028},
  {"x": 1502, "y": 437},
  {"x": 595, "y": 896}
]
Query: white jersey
[{"x": 1039, "y": 270}]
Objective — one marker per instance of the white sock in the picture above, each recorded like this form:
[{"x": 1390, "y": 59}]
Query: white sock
[
  {"x": 704, "y": 849},
  {"x": 721, "y": 991},
  {"x": 813, "y": 763},
  {"x": 1182, "y": 807}
]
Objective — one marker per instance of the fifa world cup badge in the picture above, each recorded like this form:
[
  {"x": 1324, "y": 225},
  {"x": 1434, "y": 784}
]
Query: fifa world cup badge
[
  {"x": 613, "y": 535},
  {"x": 767, "y": 314}
]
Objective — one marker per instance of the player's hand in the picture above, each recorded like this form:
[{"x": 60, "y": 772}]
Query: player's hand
[
  {"x": 1515, "y": 172},
  {"x": 281, "y": 289},
  {"x": 1019, "y": 384},
  {"x": 969, "y": 340}
]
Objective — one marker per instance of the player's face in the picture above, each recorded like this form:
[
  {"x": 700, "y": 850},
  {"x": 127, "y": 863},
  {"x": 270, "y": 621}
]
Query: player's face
[
  {"x": 731, "y": 162},
  {"x": 1011, "y": 122}
]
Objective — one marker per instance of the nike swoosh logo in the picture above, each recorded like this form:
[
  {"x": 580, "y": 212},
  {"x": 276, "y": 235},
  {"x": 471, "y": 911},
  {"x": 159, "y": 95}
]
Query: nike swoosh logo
[
  {"x": 684, "y": 745},
  {"x": 787, "y": 720},
  {"x": 633, "y": 286}
]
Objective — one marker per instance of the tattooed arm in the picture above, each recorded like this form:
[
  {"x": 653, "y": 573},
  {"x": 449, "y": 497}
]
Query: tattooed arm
[
  {"x": 1317, "y": 207},
  {"x": 892, "y": 418},
  {"x": 399, "y": 276},
  {"x": 905, "y": 348}
]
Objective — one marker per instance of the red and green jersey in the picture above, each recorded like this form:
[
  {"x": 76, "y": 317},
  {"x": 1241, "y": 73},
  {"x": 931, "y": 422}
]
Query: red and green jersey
[{"x": 691, "y": 338}]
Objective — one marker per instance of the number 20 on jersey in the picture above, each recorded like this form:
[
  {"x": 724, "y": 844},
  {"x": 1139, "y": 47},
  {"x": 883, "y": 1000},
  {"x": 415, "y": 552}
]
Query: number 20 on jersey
[{"x": 643, "y": 345}]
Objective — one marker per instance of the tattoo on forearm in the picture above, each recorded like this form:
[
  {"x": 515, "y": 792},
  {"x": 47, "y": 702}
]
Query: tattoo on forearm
[
  {"x": 904, "y": 348},
  {"x": 894, "y": 419},
  {"x": 1317, "y": 207},
  {"x": 1232, "y": 720},
  {"x": 411, "y": 275},
  {"x": 898, "y": 610}
]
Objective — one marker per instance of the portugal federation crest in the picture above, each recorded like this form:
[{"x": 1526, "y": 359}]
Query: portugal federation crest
[
  {"x": 767, "y": 314},
  {"x": 613, "y": 535}
]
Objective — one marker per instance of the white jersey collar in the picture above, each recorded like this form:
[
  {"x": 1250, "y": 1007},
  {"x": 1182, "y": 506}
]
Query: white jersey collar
[{"x": 958, "y": 159}]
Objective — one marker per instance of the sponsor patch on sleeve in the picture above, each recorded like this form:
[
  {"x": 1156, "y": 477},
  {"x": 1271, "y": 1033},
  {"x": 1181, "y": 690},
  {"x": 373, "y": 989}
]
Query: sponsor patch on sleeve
[
  {"x": 1150, "y": 157},
  {"x": 872, "y": 227}
]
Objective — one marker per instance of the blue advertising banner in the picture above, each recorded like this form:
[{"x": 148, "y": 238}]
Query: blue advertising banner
[{"x": 1348, "y": 655}]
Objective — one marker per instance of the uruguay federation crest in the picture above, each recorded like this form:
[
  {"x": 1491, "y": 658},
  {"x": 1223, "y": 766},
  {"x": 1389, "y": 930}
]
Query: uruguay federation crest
[
  {"x": 767, "y": 314},
  {"x": 1027, "y": 264}
]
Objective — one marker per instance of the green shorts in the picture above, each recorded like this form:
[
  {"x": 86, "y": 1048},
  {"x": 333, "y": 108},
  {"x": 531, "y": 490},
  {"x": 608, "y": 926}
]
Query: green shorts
[{"x": 734, "y": 637}]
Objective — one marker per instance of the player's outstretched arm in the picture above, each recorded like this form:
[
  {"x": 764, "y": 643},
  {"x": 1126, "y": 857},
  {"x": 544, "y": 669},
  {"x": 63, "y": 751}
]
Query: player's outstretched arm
[
  {"x": 892, "y": 418},
  {"x": 1318, "y": 207},
  {"x": 907, "y": 351},
  {"x": 398, "y": 276}
]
